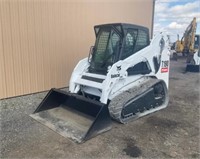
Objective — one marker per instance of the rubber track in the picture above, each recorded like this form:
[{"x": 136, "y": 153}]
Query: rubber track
[{"x": 116, "y": 104}]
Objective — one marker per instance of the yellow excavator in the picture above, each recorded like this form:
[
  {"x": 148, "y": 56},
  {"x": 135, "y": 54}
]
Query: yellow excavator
[{"x": 189, "y": 43}]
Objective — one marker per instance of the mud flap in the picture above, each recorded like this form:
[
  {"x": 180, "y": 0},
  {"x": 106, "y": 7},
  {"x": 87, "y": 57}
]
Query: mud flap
[
  {"x": 73, "y": 116},
  {"x": 192, "y": 68}
]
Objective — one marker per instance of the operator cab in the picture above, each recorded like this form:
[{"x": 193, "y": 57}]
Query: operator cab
[{"x": 116, "y": 42}]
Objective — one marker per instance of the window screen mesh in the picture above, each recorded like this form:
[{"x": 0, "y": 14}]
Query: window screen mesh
[
  {"x": 102, "y": 43},
  {"x": 142, "y": 40}
]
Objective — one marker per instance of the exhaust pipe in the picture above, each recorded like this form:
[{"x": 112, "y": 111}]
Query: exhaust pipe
[{"x": 73, "y": 116}]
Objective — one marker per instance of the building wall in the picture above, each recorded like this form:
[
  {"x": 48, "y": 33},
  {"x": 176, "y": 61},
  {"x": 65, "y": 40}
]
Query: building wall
[{"x": 42, "y": 40}]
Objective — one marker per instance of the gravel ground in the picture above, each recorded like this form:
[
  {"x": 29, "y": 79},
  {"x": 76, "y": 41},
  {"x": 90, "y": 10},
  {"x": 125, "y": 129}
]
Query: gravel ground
[{"x": 169, "y": 133}]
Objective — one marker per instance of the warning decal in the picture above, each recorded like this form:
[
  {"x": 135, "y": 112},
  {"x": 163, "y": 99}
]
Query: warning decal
[{"x": 164, "y": 70}]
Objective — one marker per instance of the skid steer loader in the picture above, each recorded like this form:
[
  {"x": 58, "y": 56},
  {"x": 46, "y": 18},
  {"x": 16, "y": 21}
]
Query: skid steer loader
[
  {"x": 124, "y": 77},
  {"x": 194, "y": 65}
]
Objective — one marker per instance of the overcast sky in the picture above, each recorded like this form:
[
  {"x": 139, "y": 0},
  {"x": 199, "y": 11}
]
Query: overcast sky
[{"x": 173, "y": 16}]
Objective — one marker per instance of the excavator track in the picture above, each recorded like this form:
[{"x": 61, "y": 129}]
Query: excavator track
[{"x": 141, "y": 100}]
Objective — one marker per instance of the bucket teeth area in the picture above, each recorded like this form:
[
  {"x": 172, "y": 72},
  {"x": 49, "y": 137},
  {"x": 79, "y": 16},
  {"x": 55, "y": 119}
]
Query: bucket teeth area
[{"x": 67, "y": 122}]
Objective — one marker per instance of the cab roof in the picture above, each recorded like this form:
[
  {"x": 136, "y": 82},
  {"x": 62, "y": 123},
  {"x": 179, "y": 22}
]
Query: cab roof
[{"x": 123, "y": 25}]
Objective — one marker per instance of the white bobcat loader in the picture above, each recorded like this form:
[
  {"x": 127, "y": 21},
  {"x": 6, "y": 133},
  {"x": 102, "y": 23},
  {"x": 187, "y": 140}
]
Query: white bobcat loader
[
  {"x": 194, "y": 64},
  {"x": 125, "y": 77}
]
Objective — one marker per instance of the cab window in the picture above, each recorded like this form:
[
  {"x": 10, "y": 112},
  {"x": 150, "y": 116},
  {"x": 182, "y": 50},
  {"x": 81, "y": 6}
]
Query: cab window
[
  {"x": 135, "y": 40},
  {"x": 142, "y": 40},
  {"x": 130, "y": 41}
]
